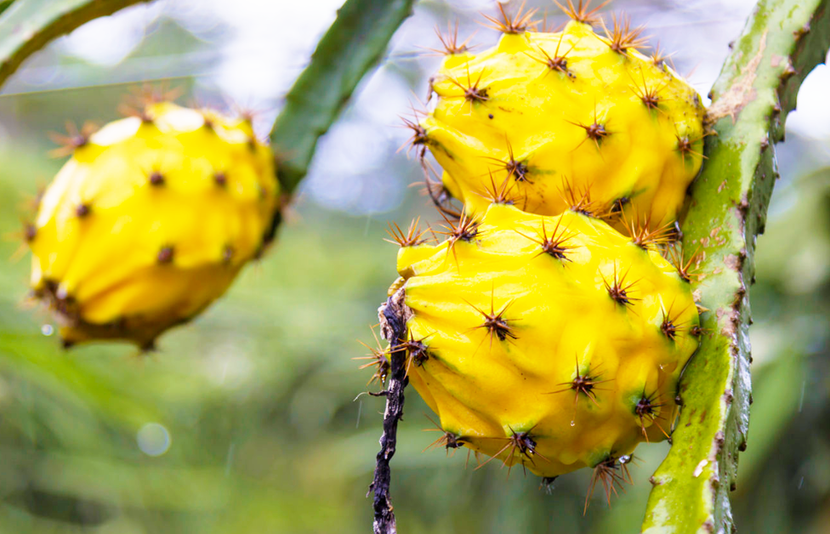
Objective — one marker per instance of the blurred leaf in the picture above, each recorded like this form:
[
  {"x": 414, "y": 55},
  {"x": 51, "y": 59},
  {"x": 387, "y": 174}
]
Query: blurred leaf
[
  {"x": 799, "y": 260},
  {"x": 352, "y": 46},
  {"x": 41, "y": 364},
  {"x": 27, "y": 25},
  {"x": 781, "y": 43},
  {"x": 774, "y": 408},
  {"x": 5, "y": 4}
]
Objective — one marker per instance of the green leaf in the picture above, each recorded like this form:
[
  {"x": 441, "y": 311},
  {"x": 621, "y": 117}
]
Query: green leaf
[
  {"x": 781, "y": 43},
  {"x": 26, "y": 26},
  {"x": 353, "y": 45},
  {"x": 5, "y": 4}
]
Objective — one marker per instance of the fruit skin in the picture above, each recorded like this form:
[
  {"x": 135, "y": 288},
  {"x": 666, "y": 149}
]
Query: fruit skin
[
  {"x": 150, "y": 221},
  {"x": 507, "y": 391},
  {"x": 562, "y": 115}
]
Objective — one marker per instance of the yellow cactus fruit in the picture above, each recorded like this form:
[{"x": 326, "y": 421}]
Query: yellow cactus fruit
[
  {"x": 150, "y": 221},
  {"x": 553, "y": 342},
  {"x": 565, "y": 117}
]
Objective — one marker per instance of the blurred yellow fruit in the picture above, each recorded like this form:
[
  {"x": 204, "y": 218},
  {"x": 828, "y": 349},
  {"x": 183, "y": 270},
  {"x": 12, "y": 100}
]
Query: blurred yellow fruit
[{"x": 150, "y": 221}]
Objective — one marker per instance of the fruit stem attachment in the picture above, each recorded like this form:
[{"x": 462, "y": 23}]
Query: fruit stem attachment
[{"x": 393, "y": 315}]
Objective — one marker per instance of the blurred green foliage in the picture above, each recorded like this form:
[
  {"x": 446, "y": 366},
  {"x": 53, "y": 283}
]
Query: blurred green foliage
[{"x": 258, "y": 395}]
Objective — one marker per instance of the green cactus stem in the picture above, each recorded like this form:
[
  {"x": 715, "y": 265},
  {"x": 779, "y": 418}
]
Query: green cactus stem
[{"x": 781, "y": 43}]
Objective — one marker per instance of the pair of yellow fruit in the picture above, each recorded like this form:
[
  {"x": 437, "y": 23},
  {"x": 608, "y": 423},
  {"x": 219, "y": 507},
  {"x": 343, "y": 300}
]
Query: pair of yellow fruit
[
  {"x": 548, "y": 329},
  {"x": 539, "y": 333}
]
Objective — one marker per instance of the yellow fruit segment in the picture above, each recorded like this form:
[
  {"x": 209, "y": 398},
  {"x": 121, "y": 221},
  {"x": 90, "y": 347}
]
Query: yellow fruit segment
[
  {"x": 563, "y": 117},
  {"x": 549, "y": 341},
  {"x": 150, "y": 221}
]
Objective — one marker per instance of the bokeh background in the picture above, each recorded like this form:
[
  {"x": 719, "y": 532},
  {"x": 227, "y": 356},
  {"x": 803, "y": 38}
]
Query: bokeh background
[{"x": 250, "y": 419}]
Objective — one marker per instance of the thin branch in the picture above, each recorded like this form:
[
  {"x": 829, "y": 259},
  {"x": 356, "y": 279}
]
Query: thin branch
[{"x": 393, "y": 328}]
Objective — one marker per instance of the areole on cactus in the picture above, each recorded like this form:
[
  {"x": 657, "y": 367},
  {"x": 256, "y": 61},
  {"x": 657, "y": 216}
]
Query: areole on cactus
[{"x": 150, "y": 221}]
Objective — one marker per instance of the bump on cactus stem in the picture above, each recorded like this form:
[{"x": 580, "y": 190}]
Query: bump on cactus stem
[
  {"x": 518, "y": 443},
  {"x": 670, "y": 326},
  {"x": 29, "y": 232},
  {"x": 378, "y": 358},
  {"x": 582, "y": 12},
  {"x": 501, "y": 193},
  {"x": 471, "y": 91},
  {"x": 697, "y": 330},
  {"x": 612, "y": 473},
  {"x": 583, "y": 383},
  {"x": 619, "y": 205},
  {"x": 448, "y": 440},
  {"x": 82, "y": 210},
  {"x": 506, "y": 24},
  {"x": 685, "y": 146},
  {"x": 648, "y": 408},
  {"x": 659, "y": 56},
  {"x": 553, "y": 245},
  {"x": 516, "y": 169},
  {"x": 650, "y": 96},
  {"x": 619, "y": 289},
  {"x": 465, "y": 229},
  {"x": 73, "y": 139},
  {"x": 412, "y": 237},
  {"x": 166, "y": 254},
  {"x": 622, "y": 37},
  {"x": 644, "y": 233},
  {"x": 556, "y": 62},
  {"x": 596, "y": 131},
  {"x": 494, "y": 322},
  {"x": 156, "y": 178},
  {"x": 688, "y": 268},
  {"x": 419, "y": 139},
  {"x": 415, "y": 350},
  {"x": 450, "y": 43},
  {"x": 581, "y": 202}
]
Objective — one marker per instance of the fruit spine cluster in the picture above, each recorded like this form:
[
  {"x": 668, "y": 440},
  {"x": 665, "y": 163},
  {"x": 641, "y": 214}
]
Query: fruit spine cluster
[{"x": 551, "y": 326}]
